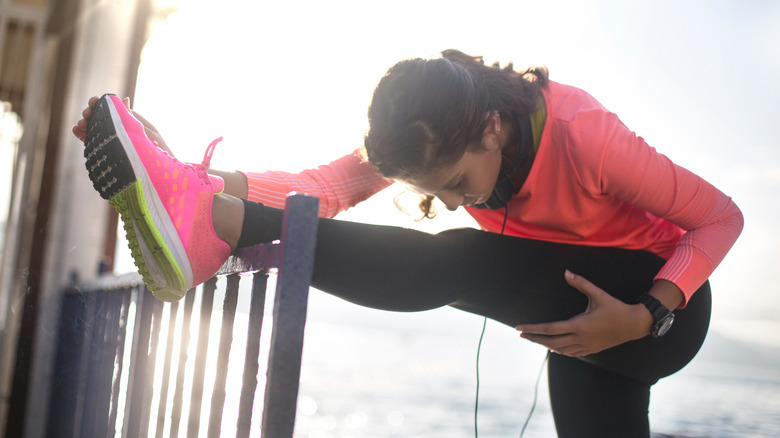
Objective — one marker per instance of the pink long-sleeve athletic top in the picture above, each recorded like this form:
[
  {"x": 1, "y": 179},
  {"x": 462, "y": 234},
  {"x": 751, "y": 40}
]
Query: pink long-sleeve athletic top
[{"x": 593, "y": 182}]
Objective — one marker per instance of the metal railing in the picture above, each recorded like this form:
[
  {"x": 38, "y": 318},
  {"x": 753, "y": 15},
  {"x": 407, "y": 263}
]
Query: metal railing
[{"x": 130, "y": 365}]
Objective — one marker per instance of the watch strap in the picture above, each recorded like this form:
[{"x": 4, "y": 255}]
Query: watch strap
[
  {"x": 654, "y": 306},
  {"x": 660, "y": 314}
]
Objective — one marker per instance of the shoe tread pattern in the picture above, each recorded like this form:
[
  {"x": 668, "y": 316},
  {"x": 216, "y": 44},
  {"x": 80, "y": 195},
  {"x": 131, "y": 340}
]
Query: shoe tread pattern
[{"x": 107, "y": 164}]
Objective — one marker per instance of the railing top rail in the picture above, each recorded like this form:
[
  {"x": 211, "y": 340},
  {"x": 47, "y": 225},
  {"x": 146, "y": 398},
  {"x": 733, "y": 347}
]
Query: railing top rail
[
  {"x": 112, "y": 282},
  {"x": 261, "y": 257}
]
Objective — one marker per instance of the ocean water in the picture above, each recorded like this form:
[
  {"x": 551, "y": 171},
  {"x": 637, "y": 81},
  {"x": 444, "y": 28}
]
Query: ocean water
[{"x": 379, "y": 374}]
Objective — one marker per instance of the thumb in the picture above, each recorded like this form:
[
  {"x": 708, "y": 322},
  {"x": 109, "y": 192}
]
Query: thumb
[
  {"x": 126, "y": 101},
  {"x": 583, "y": 285}
]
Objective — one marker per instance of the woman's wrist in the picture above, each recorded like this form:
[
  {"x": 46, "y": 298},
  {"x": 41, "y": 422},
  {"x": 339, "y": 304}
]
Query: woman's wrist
[
  {"x": 643, "y": 320},
  {"x": 668, "y": 294}
]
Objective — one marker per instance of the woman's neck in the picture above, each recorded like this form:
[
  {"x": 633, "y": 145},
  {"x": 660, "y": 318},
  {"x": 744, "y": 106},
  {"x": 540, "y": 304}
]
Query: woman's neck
[{"x": 510, "y": 139}]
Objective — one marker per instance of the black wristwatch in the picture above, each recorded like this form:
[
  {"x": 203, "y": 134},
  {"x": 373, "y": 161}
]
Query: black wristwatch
[{"x": 663, "y": 316}]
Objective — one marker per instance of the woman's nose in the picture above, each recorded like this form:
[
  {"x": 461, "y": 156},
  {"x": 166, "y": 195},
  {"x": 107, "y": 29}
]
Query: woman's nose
[{"x": 450, "y": 199}]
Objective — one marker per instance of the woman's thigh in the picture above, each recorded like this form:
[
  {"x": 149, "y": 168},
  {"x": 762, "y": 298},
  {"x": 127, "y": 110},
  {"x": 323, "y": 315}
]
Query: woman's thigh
[
  {"x": 526, "y": 285},
  {"x": 508, "y": 279}
]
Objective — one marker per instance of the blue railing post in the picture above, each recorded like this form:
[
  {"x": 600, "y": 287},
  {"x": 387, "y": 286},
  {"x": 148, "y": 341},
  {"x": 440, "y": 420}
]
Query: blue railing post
[
  {"x": 299, "y": 236},
  {"x": 251, "y": 362}
]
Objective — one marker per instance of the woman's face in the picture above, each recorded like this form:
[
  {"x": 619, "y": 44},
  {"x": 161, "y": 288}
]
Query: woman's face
[{"x": 469, "y": 181}]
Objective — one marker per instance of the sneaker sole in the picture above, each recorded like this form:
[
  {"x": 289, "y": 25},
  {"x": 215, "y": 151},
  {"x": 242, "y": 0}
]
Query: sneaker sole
[{"x": 118, "y": 174}]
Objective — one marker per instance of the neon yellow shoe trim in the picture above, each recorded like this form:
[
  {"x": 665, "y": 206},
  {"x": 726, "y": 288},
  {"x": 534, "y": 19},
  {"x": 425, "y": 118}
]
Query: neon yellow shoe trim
[{"x": 139, "y": 224}]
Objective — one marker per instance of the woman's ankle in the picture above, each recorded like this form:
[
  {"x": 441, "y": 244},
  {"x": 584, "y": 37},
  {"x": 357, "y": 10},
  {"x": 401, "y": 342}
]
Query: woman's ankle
[
  {"x": 227, "y": 216},
  {"x": 235, "y": 183}
]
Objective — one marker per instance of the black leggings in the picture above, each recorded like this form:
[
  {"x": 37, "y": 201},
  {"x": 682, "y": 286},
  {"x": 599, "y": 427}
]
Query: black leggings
[{"x": 514, "y": 280}]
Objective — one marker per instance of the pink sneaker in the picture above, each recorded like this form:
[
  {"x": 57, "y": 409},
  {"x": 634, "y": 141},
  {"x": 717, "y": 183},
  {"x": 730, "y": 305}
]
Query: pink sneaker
[{"x": 165, "y": 204}]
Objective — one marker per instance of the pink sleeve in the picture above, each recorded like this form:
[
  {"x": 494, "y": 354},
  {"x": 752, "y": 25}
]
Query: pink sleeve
[
  {"x": 339, "y": 185},
  {"x": 635, "y": 173}
]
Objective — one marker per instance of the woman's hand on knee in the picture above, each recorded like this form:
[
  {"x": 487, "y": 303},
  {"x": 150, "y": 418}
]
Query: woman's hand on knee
[{"x": 606, "y": 322}]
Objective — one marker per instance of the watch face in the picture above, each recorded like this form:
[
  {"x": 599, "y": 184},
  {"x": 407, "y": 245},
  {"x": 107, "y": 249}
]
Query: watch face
[{"x": 663, "y": 325}]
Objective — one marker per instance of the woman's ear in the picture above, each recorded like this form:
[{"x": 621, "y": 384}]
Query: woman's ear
[{"x": 492, "y": 131}]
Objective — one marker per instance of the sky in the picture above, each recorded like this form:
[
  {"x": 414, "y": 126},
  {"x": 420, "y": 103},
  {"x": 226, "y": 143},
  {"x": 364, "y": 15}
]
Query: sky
[{"x": 288, "y": 84}]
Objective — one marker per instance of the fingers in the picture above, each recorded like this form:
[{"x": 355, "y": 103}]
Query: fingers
[
  {"x": 539, "y": 329},
  {"x": 147, "y": 124},
  {"x": 153, "y": 133},
  {"x": 559, "y": 337},
  {"x": 549, "y": 328},
  {"x": 566, "y": 345},
  {"x": 87, "y": 112},
  {"x": 574, "y": 351},
  {"x": 583, "y": 285},
  {"x": 80, "y": 128},
  {"x": 79, "y": 133},
  {"x": 576, "y": 281}
]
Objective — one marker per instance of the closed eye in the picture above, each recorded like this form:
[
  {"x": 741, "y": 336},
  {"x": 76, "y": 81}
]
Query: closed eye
[{"x": 459, "y": 185}]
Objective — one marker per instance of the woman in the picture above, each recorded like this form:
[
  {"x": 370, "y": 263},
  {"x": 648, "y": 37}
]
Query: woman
[{"x": 527, "y": 157}]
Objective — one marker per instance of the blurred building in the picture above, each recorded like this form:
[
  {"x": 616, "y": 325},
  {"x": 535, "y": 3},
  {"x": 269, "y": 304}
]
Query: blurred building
[{"x": 54, "y": 55}]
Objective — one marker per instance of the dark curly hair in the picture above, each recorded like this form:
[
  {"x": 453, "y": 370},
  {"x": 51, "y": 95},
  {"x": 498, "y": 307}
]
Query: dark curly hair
[{"x": 426, "y": 113}]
